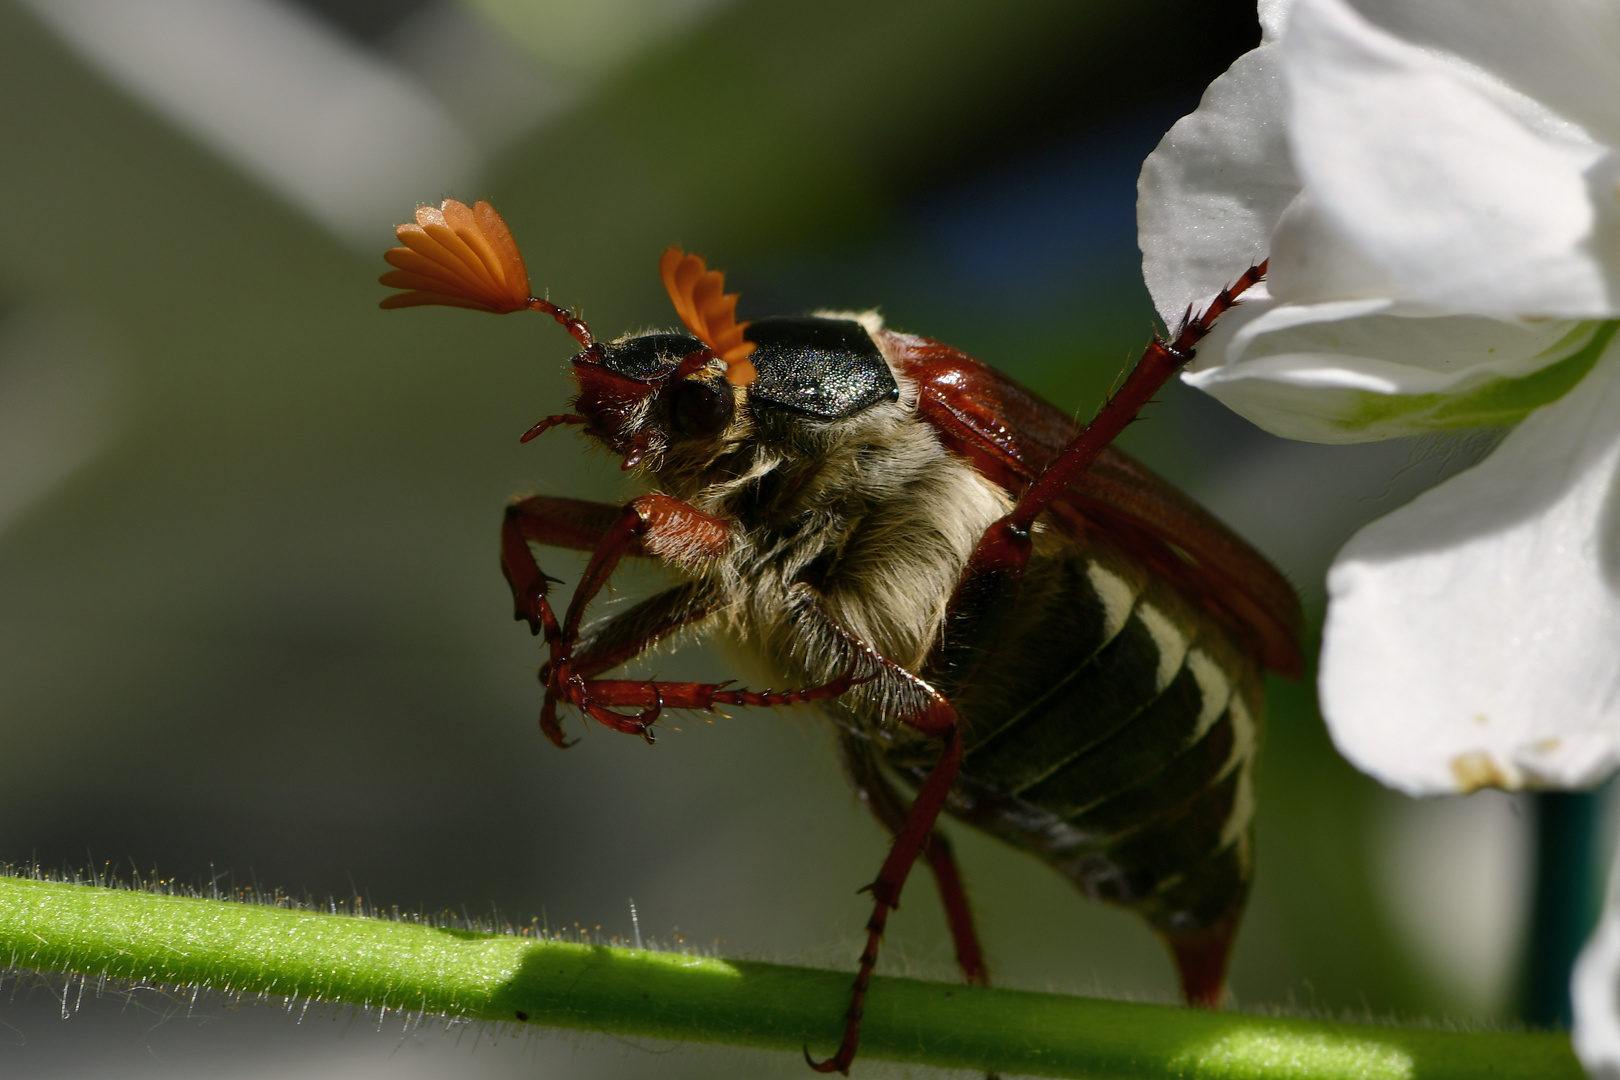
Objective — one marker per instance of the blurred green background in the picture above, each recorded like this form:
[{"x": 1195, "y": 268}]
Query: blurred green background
[{"x": 253, "y": 629}]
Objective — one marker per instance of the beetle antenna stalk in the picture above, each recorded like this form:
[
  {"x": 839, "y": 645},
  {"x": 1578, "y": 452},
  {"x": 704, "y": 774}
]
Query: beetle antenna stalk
[{"x": 570, "y": 322}]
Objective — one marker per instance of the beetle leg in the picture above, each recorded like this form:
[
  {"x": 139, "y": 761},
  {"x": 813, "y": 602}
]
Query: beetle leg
[
  {"x": 879, "y": 796},
  {"x": 555, "y": 522},
  {"x": 654, "y": 525},
  {"x": 1004, "y": 547},
  {"x": 924, "y": 708},
  {"x": 549, "y": 727},
  {"x": 607, "y": 644},
  {"x": 651, "y": 526},
  {"x": 657, "y": 525},
  {"x": 597, "y": 698},
  {"x": 909, "y": 842},
  {"x": 643, "y": 694},
  {"x": 919, "y": 706},
  {"x": 620, "y": 639}
]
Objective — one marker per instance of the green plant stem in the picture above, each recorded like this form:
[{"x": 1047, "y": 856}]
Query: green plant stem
[{"x": 387, "y": 964}]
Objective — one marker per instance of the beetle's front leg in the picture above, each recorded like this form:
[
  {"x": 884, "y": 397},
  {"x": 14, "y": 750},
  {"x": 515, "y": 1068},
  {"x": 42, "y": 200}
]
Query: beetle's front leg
[
  {"x": 556, "y": 522},
  {"x": 654, "y": 524}
]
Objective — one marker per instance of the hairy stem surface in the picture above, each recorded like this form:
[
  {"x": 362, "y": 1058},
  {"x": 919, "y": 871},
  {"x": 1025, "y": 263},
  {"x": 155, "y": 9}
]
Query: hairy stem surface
[{"x": 382, "y": 963}]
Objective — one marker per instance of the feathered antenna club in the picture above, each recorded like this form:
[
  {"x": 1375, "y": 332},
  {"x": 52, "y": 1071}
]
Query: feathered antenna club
[{"x": 457, "y": 255}]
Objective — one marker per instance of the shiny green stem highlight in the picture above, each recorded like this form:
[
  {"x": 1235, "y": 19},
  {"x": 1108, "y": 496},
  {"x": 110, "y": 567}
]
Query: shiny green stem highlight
[{"x": 374, "y": 963}]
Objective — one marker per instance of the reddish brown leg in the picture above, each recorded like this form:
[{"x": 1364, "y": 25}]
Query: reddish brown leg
[
  {"x": 1004, "y": 548},
  {"x": 656, "y": 525},
  {"x": 618, "y": 640},
  {"x": 928, "y": 711},
  {"x": 909, "y": 842},
  {"x": 582, "y": 526},
  {"x": 555, "y": 522},
  {"x": 1003, "y": 552},
  {"x": 597, "y": 698},
  {"x": 889, "y": 807},
  {"x": 652, "y": 525},
  {"x": 665, "y": 528},
  {"x": 624, "y": 637},
  {"x": 576, "y": 524},
  {"x": 958, "y": 914}
]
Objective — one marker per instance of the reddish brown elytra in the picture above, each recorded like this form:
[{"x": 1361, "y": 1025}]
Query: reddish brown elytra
[{"x": 1004, "y": 615}]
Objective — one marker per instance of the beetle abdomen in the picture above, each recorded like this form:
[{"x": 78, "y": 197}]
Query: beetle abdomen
[{"x": 1120, "y": 747}]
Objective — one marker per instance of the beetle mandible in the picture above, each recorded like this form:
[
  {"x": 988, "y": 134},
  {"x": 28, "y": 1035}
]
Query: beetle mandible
[{"x": 998, "y": 611}]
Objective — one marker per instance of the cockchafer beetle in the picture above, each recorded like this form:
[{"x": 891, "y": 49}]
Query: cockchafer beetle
[{"x": 1000, "y": 612}]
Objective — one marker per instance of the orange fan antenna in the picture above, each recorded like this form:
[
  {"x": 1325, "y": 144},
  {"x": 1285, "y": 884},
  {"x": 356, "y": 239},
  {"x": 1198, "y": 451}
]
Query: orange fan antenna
[
  {"x": 700, "y": 298},
  {"x": 457, "y": 255},
  {"x": 460, "y": 256}
]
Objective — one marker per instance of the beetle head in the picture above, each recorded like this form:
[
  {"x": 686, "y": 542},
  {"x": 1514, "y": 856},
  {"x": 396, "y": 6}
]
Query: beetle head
[{"x": 640, "y": 394}]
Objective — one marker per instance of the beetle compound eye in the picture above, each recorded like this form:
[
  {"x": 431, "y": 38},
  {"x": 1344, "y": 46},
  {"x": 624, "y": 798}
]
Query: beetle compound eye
[{"x": 699, "y": 408}]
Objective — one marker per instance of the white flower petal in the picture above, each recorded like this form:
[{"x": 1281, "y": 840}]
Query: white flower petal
[
  {"x": 1273, "y": 14},
  {"x": 1560, "y": 52},
  {"x": 1470, "y": 638},
  {"x": 1437, "y": 353},
  {"x": 1470, "y": 196},
  {"x": 1360, "y": 370},
  {"x": 1315, "y": 261},
  {"x": 1595, "y": 990},
  {"x": 1303, "y": 396},
  {"x": 1213, "y": 190}
]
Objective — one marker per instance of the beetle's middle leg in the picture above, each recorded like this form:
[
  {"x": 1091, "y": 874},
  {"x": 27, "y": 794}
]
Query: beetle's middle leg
[
  {"x": 919, "y": 706},
  {"x": 886, "y": 804},
  {"x": 910, "y": 842}
]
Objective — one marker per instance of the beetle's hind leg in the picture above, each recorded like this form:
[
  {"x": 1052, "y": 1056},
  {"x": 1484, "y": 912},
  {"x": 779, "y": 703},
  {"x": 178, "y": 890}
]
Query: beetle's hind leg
[{"x": 1004, "y": 548}]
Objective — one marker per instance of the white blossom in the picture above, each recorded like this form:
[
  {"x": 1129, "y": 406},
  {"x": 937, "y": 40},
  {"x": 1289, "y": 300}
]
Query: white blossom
[{"x": 1434, "y": 182}]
